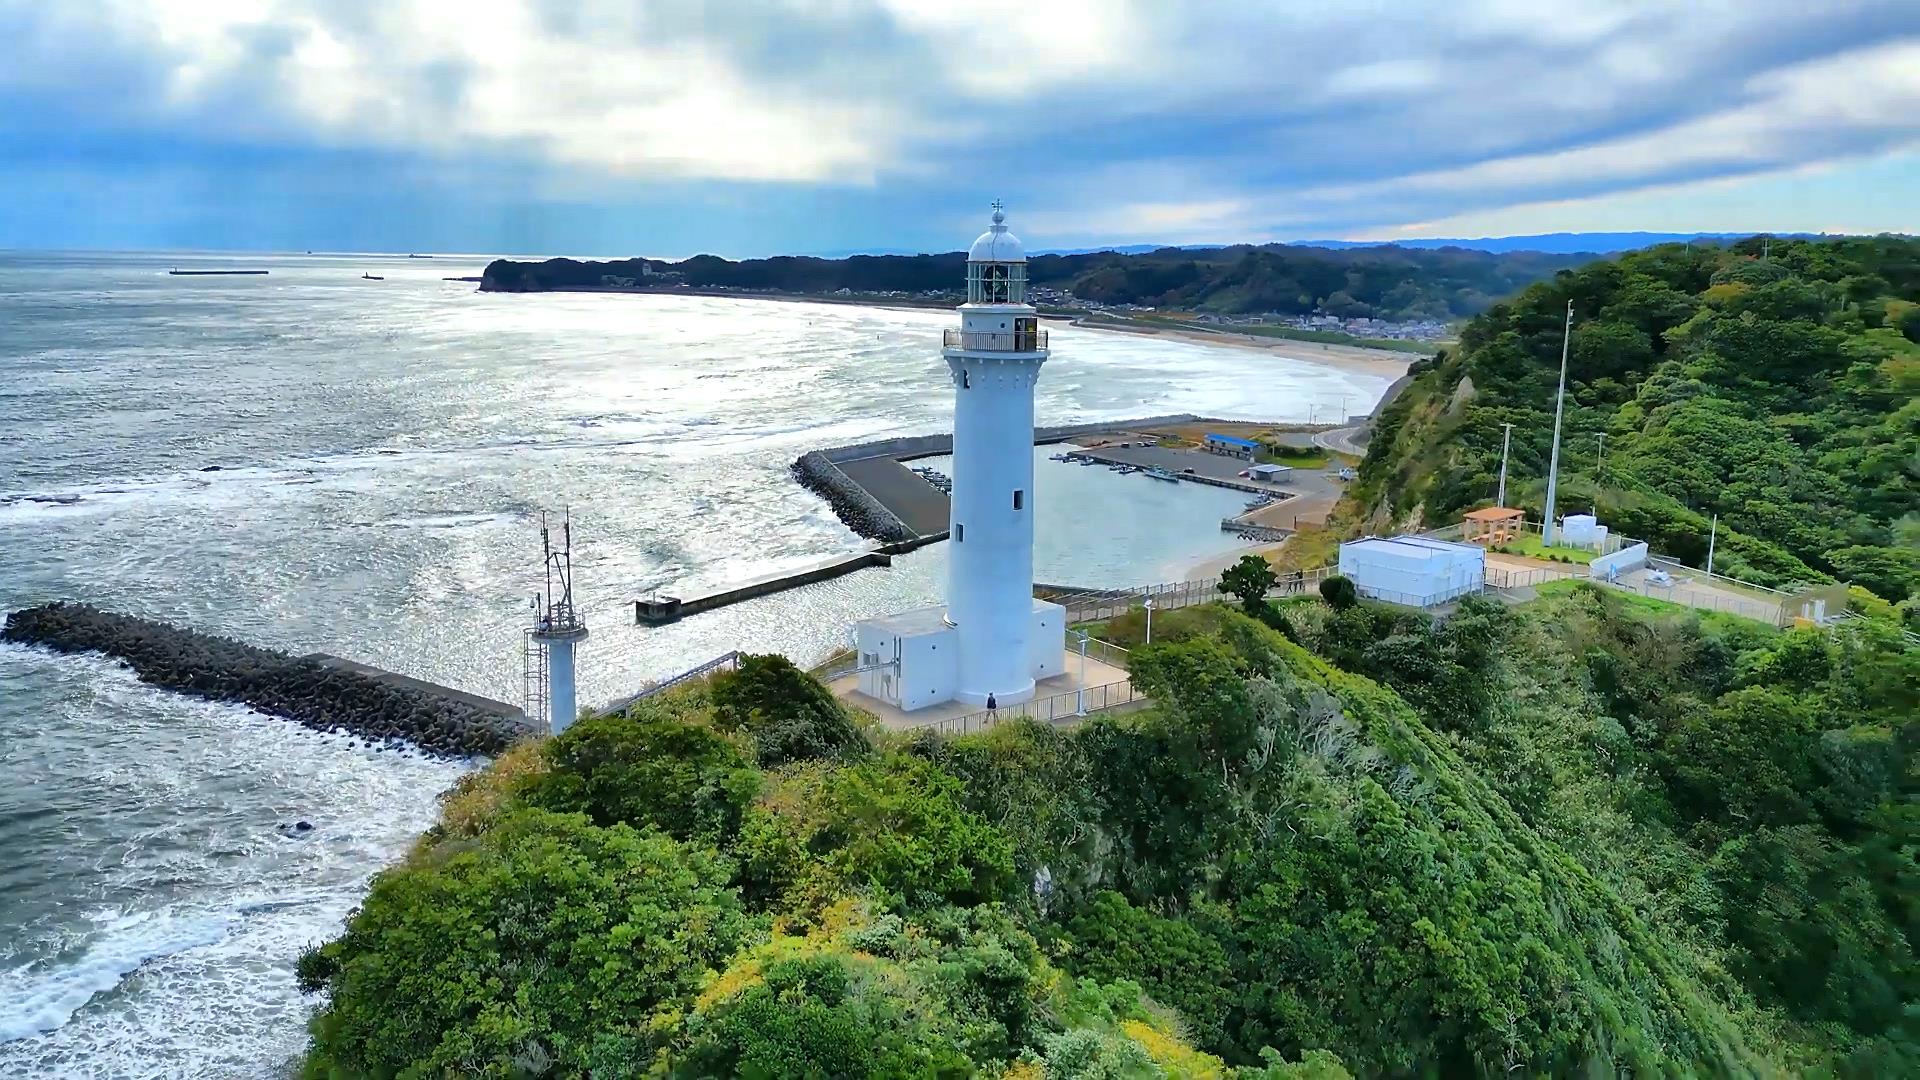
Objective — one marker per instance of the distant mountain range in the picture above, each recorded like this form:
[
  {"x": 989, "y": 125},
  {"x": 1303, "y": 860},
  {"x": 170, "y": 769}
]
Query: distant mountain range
[
  {"x": 1561, "y": 243},
  {"x": 1393, "y": 283}
]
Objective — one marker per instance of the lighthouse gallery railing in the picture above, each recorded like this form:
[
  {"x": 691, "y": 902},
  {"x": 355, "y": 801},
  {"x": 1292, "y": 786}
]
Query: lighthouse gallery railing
[{"x": 1019, "y": 341}]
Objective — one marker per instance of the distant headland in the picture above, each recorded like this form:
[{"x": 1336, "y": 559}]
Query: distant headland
[{"x": 1385, "y": 292}]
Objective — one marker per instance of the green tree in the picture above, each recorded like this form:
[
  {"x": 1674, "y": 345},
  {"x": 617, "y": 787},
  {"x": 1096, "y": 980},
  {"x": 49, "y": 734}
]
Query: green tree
[
  {"x": 1176, "y": 964},
  {"x": 1908, "y": 323},
  {"x": 645, "y": 769},
  {"x": 895, "y": 824},
  {"x": 1891, "y": 573},
  {"x": 817, "y": 1018},
  {"x": 1339, "y": 592},
  {"x": 1750, "y": 759},
  {"x": 544, "y": 945},
  {"x": 789, "y": 713},
  {"x": 1250, "y": 580}
]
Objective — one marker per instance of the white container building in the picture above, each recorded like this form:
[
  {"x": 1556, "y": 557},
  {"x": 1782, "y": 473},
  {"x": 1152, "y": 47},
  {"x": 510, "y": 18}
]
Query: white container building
[{"x": 1416, "y": 571}]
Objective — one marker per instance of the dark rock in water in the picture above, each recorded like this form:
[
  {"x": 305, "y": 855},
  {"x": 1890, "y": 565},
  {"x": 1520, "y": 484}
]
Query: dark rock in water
[
  {"x": 292, "y": 827},
  {"x": 210, "y": 468},
  {"x": 300, "y": 689}
]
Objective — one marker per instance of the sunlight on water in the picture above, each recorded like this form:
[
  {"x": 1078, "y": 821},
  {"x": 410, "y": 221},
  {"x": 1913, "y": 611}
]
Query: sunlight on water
[{"x": 311, "y": 461}]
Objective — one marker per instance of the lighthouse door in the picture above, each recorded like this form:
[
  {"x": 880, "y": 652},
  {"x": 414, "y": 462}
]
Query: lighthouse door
[{"x": 1026, "y": 334}]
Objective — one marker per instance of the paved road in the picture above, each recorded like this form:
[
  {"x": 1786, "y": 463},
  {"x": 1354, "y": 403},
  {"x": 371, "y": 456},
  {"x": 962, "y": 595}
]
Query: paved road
[
  {"x": 1353, "y": 439},
  {"x": 1343, "y": 440}
]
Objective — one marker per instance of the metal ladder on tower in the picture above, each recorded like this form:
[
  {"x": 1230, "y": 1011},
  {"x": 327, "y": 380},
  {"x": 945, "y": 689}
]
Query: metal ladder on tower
[{"x": 533, "y": 679}]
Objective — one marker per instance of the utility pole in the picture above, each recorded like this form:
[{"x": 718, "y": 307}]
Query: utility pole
[
  {"x": 1506, "y": 440},
  {"x": 1711, "y": 537},
  {"x": 1559, "y": 406},
  {"x": 1599, "y": 470}
]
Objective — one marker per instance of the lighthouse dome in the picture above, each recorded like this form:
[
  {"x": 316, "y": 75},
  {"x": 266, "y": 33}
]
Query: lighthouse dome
[{"x": 997, "y": 245}]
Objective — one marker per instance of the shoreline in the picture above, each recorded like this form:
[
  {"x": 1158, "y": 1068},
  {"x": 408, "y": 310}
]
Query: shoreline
[{"x": 1357, "y": 359}]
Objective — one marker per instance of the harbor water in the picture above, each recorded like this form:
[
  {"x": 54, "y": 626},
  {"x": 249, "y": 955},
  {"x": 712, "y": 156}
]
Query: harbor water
[{"x": 319, "y": 462}]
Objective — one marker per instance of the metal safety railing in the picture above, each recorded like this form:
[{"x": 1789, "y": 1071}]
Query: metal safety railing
[
  {"x": 981, "y": 341},
  {"x": 726, "y": 662},
  {"x": 1096, "y": 604},
  {"x": 1053, "y": 709}
]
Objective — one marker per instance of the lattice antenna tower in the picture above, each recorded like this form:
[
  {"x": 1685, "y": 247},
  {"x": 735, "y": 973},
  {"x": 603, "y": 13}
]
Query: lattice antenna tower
[{"x": 547, "y": 670}]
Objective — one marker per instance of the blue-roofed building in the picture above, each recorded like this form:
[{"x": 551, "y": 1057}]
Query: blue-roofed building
[{"x": 1232, "y": 446}]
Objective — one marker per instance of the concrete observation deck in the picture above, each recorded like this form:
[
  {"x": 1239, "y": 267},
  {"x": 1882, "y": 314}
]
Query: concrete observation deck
[{"x": 1049, "y": 695}]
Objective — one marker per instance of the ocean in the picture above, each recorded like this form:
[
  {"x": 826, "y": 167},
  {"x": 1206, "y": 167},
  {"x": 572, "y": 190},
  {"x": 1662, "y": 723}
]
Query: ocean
[{"x": 313, "y": 461}]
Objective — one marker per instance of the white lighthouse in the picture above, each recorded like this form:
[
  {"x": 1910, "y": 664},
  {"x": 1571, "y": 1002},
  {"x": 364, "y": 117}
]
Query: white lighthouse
[
  {"x": 992, "y": 640},
  {"x": 995, "y": 360}
]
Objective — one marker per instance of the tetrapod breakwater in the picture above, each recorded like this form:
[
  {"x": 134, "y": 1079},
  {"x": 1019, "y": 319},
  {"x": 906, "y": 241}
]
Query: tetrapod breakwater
[{"x": 316, "y": 691}]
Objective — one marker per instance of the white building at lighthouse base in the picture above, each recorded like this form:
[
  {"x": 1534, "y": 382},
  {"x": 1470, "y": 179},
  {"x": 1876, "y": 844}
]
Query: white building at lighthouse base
[{"x": 912, "y": 660}]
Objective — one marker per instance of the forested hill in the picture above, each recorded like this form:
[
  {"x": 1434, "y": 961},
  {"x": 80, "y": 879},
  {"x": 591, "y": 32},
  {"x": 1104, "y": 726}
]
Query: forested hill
[
  {"x": 1378, "y": 282},
  {"x": 1774, "y": 384},
  {"x": 1591, "y": 836}
]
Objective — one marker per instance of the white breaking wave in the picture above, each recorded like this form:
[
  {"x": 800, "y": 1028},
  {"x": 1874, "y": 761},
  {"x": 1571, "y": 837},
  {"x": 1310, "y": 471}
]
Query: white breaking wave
[{"x": 41, "y": 997}]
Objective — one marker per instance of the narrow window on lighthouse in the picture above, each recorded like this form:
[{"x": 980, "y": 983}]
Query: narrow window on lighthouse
[
  {"x": 1019, "y": 497},
  {"x": 959, "y": 532}
]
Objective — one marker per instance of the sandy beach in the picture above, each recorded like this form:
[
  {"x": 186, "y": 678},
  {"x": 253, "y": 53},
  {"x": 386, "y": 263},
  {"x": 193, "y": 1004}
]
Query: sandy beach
[{"x": 1384, "y": 363}]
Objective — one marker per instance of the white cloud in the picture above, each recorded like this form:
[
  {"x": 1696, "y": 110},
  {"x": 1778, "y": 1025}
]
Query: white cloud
[{"x": 1105, "y": 119}]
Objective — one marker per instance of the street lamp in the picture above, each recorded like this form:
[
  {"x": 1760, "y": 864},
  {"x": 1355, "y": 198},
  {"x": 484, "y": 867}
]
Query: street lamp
[
  {"x": 1149, "y": 607},
  {"x": 1080, "y": 692}
]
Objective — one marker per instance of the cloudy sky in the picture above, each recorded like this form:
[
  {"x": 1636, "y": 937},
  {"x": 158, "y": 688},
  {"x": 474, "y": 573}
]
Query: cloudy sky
[{"x": 748, "y": 127}]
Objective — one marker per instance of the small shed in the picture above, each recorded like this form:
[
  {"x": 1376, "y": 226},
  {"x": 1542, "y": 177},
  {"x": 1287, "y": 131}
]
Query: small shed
[
  {"x": 1583, "y": 531},
  {"x": 1232, "y": 446},
  {"x": 1494, "y": 525},
  {"x": 1272, "y": 474}
]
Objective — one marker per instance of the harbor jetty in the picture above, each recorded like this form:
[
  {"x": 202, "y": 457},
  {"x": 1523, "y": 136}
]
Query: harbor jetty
[
  {"x": 216, "y": 273},
  {"x": 657, "y": 610},
  {"x": 874, "y": 493},
  {"x": 321, "y": 692},
  {"x": 877, "y": 496}
]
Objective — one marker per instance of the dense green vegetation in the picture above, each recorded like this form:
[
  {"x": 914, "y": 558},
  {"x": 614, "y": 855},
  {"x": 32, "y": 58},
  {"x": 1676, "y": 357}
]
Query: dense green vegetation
[
  {"x": 1595, "y": 834},
  {"x": 1382, "y": 282},
  {"x": 1592, "y": 835},
  {"x": 1775, "y": 385}
]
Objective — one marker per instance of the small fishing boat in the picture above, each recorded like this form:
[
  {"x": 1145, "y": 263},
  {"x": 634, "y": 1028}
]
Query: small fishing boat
[
  {"x": 370, "y": 277},
  {"x": 1162, "y": 474}
]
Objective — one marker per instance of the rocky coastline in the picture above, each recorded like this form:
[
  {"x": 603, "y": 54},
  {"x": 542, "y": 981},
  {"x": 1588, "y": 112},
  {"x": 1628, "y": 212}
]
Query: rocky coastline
[{"x": 305, "y": 690}]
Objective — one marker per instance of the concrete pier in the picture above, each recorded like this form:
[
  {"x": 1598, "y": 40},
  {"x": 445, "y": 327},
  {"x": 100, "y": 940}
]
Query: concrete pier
[
  {"x": 659, "y": 610},
  {"x": 881, "y": 499}
]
